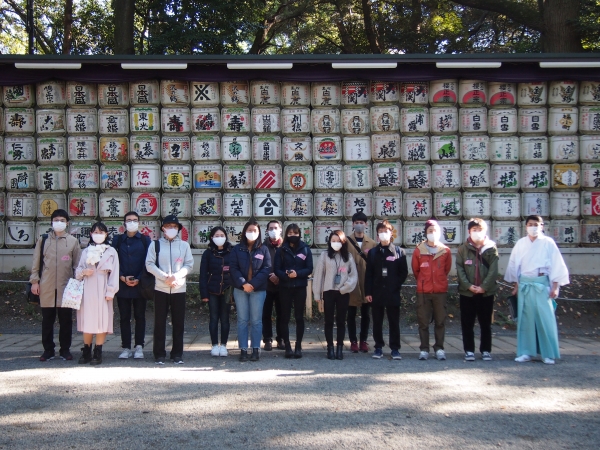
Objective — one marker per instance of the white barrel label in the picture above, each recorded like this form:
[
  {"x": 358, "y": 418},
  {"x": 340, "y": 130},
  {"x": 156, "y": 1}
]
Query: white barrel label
[
  {"x": 532, "y": 94},
  {"x": 145, "y": 177},
  {"x": 235, "y": 120},
  {"x": 502, "y": 94},
  {"x": 476, "y": 176},
  {"x": 175, "y": 149},
  {"x": 443, "y": 92},
  {"x": 298, "y": 204},
  {"x": 81, "y": 94},
  {"x": 146, "y": 204},
  {"x": 533, "y": 121},
  {"x": 51, "y": 121},
  {"x": 266, "y": 120},
  {"x": 51, "y": 93},
  {"x": 414, "y": 121},
  {"x": 385, "y": 147},
  {"x": 446, "y": 177},
  {"x": 267, "y": 178},
  {"x": 265, "y": 92},
  {"x": 298, "y": 178},
  {"x": 327, "y": 149},
  {"x": 114, "y": 206},
  {"x": 19, "y": 150},
  {"x": 144, "y": 149},
  {"x": 52, "y": 178},
  {"x": 387, "y": 176},
  {"x": 237, "y": 177},
  {"x": 114, "y": 177},
  {"x": 415, "y": 149},
  {"x": 145, "y": 120},
  {"x": 357, "y": 149},
  {"x": 474, "y": 148},
  {"x": 447, "y": 204},
  {"x": 234, "y": 93},
  {"x": 443, "y": 120},
  {"x": 417, "y": 206},
  {"x": 384, "y": 92},
  {"x": 355, "y": 93},
  {"x": 177, "y": 178},
  {"x": 266, "y": 148},
  {"x": 83, "y": 204},
  {"x": 385, "y": 119},
  {"x": 329, "y": 205},
  {"x": 358, "y": 177},
  {"x": 179, "y": 205},
  {"x": 295, "y": 94},
  {"x": 355, "y": 121},
  {"x": 414, "y": 93},
  {"x": 237, "y": 205},
  {"x": 84, "y": 177},
  {"x": 174, "y": 92},
  {"x": 204, "y": 93},
  {"x": 268, "y": 205},
  {"x": 206, "y": 149},
  {"x": 325, "y": 121},
  {"x": 206, "y": 120},
  {"x": 208, "y": 177},
  {"x": 82, "y": 121},
  {"x": 328, "y": 177},
  {"x": 51, "y": 150},
  {"x": 144, "y": 93},
  {"x": 535, "y": 177},
  {"x": 477, "y": 204},
  {"x": 235, "y": 148},
  {"x": 297, "y": 150},
  {"x": 207, "y": 204},
  {"x": 417, "y": 177},
  {"x": 387, "y": 204},
  {"x": 19, "y": 120},
  {"x": 113, "y": 95},
  {"x": 355, "y": 202}
]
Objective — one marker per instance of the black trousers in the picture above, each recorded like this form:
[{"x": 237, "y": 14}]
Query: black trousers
[
  {"x": 139, "y": 314},
  {"x": 364, "y": 322},
  {"x": 271, "y": 301},
  {"x": 295, "y": 297},
  {"x": 393, "y": 315},
  {"x": 335, "y": 305},
  {"x": 162, "y": 303},
  {"x": 219, "y": 312},
  {"x": 482, "y": 308},
  {"x": 65, "y": 322}
]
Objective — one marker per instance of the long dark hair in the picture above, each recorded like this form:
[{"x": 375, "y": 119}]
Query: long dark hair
[
  {"x": 211, "y": 244},
  {"x": 293, "y": 228},
  {"x": 343, "y": 251},
  {"x": 244, "y": 241},
  {"x": 98, "y": 226}
]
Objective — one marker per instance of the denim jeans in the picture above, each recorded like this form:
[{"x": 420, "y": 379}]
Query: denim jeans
[
  {"x": 219, "y": 311},
  {"x": 249, "y": 308}
]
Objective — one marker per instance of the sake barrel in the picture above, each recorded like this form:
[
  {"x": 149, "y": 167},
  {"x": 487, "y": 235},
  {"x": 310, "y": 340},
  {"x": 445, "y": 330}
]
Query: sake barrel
[
  {"x": 328, "y": 178},
  {"x": 51, "y": 150},
  {"x": 48, "y": 203},
  {"x": 298, "y": 205},
  {"x": 564, "y": 149},
  {"x": 1, "y": 121},
  {"x": 415, "y": 149},
  {"x": 566, "y": 177},
  {"x": 325, "y": 94},
  {"x": 176, "y": 177},
  {"x": 506, "y": 233},
  {"x": 19, "y": 121},
  {"x": 179, "y": 205},
  {"x": 387, "y": 176},
  {"x": 474, "y": 148},
  {"x": 590, "y": 233},
  {"x": 306, "y": 230},
  {"x": 355, "y": 121},
  {"x": 327, "y": 149},
  {"x": 201, "y": 232},
  {"x": 325, "y": 121},
  {"x": 81, "y": 230},
  {"x": 114, "y": 227},
  {"x": 533, "y": 150},
  {"x": 535, "y": 177},
  {"x": 506, "y": 206},
  {"x": 414, "y": 93},
  {"x": 268, "y": 205},
  {"x": 443, "y": 121},
  {"x": 114, "y": 149},
  {"x": 355, "y": 93},
  {"x": 114, "y": 177},
  {"x": 502, "y": 94},
  {"x": 18, "y": 96},
  {"x": 174, "y": 93},
  {"x": 443, "y": 92},
  {"x": 208, "y": 177},
  {"x": 444, "y": 149},
  {"x": 477, "y": 204},
  {"x": 414, "y": 121},
  {"x": 589, "y": 119},
  {"x": 504, "y": 149},
  {"x": 299, "y": 178},
  {"x": 359, "y": 177},
  {"x": 505, "y": 177},
  {"x": 114, "y": 205},
  {"x": 295, "y": 121},
  {"x": 417, "y": 206},
  {"x": 144, "y": 120},
  {"x": 206, "y": 149},
  {"x": 264, "y": 92},
  {"x": 84, "y": 176},
  {"x": 385, "y": 119},
  {"x": 451, "y": 232},
  {"x": 532, "y": 94},
  {"x": 175, "y": 121},
  {"x": 20, "y": 178},
  {"x": 19, "y": 150},
  {"x": 237, "y": 177},
  {"x": 566, "y": 233},
  {"x": 82, "y": 121},
  {"x": 144, "y": 93},
  {"x": 234, "y": 93},
  {"x": 414, "y": 233},
  {"x": 235, "y": 120},
  {"x": 446, "y": 177},
  {"x": 266, "y": 149},
  {"x": 385, "y": 147},
  {"x": 207, "y": 205},
  {"x": 476, "y": 176},
  {"x": 81, "y": 95},
  {"x": 384, "y": 92},
  {"x": 146, "y": 204},
  {"x": 349, "y": 228},
  {"x": 447, "y": 205},
  {"x": 297, "y": 150},
  {"x": 357, "y": 149},
  {"x": 387, "y": 205},
  {"x": 323, "y": 230},
  {"x": 145, "y": 177},
  {"x": 50, "y": 122},
  {"x": 589, "y": 148},
  {"x": 20, "y": 234},
  {"x": 113, "y": 95},
  {"x": 235, "y": 149},
  {"x": 186, "y": 230},
  {"x": 83, "y": 204},
  {"x": 205, "y": 120},
  {"x": 21, "y": 205},
  {"x": 472, "y": 93},
  {"x": 590, "y": 204},
  {"x": 2, "y": 148},
  {"x": 417, "y": 177},
  {"x": 175, "y": 149},
  {"x": 589, "y": 93},
  {"x": 144, "y": 148},
  {"x": 564, "y": 205},
  {"x": 563, "y": 120},
  {"x": 295, "y": 93},
  {"x": 473, "y": 121},
  {"x": 204, "y": 94},
  {"x": 267, "y": 178},
  {"x": 52, "y": 94},
  {"x": 563, "y": 93},
  {"x": 535, "y": 203},
  {"x": 52, "y": 178},
  {"x": 502, "y": 122},
  {"x": 266, "y": 120},
  {"x": 41, "y": 227},
  {"x": 358, "y": 202},
  {"x": 533, "y": 121},
  {"x": 237, "y": 205}
]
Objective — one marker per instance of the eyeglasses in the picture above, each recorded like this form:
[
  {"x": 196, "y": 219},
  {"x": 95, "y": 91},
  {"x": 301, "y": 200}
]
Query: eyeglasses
[{"x": 132, "y": 221}]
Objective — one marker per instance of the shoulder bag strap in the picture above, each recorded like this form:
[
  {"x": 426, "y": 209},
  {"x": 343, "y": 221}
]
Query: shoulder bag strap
[
  {"x": 157, "y": 251},
  {"x": 358, "y": 249},
  {"x": 41, "y": 266}
]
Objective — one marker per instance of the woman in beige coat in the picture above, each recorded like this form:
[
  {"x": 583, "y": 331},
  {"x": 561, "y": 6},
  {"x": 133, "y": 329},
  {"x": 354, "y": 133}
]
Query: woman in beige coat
[{"x": 99, "y": 270}]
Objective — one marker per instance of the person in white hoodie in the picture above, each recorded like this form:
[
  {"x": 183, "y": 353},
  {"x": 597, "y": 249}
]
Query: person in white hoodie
[{"x": 175, "y": 262}]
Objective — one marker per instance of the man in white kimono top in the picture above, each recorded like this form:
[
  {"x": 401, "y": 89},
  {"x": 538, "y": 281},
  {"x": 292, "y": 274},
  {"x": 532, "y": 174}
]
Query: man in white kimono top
[{"x": 537, "y": 269}]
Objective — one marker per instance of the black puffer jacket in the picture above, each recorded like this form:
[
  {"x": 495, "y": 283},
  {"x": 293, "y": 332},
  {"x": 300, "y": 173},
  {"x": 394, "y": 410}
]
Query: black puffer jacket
[
  {"x": 214, "y": 271},
  {"x": 298, "y": 259}
]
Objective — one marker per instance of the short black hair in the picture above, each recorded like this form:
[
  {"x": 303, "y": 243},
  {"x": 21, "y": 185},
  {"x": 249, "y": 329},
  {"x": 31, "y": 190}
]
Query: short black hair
[
  {"x": 294, "y": 228},
  {"x": 274, "y": 221},
  {"x": 477, "y": 222},
  {"x": 384, "y": 225},
  {"x": 131, "y": 213},
  {"x": 359, "y": 216},
  {"x": 536, "y": 218},
  {"x": 60, "y": 213},
  {"x": 99, "y": 226},
  {"x": 244, "y": 240}
]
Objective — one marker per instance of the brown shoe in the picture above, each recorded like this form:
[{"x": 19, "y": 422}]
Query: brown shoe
[
  {"x": 364, "y": 347},
  {"x": 354, "y": 347}
]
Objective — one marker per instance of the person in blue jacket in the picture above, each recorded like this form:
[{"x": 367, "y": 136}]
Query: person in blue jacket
[
  {"x": 214, "y": 287},
  {"x": 293, "y": 265},
  {"x": 250, "y": 265}
]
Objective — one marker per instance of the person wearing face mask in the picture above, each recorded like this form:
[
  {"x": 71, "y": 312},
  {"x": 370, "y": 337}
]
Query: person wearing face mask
[
  {"x": 132, "y": 247},
  {"x": 537, "y": 269},
  {"x": 170, "y": 269},
  {"x": 250, "y": 266},
  {"x": 99, "y": 269},
  {"x": 334, "y": 278},
  {"x": 477, "y": 270},
  {"x": 386, "y": 271},
  {"x": 215, "y": 288},
  {"x": 293, "y": 265},
  {"x": 60, "y": 257},
  {"x": 359, "y": 247},
  {"x": 431, "y": 264},
  {"x": 272, "y": 241}
]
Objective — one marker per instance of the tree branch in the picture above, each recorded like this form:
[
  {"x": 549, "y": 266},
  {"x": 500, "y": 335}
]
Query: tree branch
[{"x": 513, "y": 9}]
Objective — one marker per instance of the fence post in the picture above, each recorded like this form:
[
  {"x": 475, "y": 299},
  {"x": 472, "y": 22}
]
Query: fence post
[{"x": 309, "y": 299}]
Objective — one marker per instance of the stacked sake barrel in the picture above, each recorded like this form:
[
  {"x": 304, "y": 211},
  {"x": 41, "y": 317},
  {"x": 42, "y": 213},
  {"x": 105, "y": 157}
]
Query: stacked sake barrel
[{"x": 313, "y": 154}]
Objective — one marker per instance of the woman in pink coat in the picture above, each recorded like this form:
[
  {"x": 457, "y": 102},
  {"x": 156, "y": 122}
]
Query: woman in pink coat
[{"x": 99, "y": 270}]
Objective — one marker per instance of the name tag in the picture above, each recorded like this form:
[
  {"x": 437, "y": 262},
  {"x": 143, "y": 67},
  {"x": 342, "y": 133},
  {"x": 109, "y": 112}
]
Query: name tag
[
  {"x": 469, "y": 261},
  {"x": 66, "y": 258},
  {"x": 424, "y": 264},
  {"x": 343, "y": 269},
  {"x": 302, "y": 256},
  {"x": 178, "y": 260},
  {"x": 390, "y": 258},
  {"x": 259, "y": 256},
  {"x": 225, "y": 268}
]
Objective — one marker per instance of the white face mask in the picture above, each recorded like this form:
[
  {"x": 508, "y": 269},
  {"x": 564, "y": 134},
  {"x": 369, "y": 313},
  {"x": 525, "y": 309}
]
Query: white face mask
[
  {"x": 433, "y": 237},
  {"x": 59, "y": 226},
  {"x": 251, "y": 236},
  {"x": 132, "y": 226},
  {"x": 533, "y": 231},
  {"x": 386, "y": 236},
  {"x": 171, "y": 232},
  {"x": 477, "y": 236},
  {"x": 336, "y": 246},
  {"x": 98, "y": 238},
  {"x": 219, "y": 240},
  {"x": 274, "y": 234}
]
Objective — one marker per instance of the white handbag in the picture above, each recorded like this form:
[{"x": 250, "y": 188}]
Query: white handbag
[{"x": 73, "y": 294}]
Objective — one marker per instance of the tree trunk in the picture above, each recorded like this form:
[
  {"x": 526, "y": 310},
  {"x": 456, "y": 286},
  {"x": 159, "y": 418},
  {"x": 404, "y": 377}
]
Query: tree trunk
[
  {"x": 347, "y": 43},
  {"x": 369, "y": 28},
  {"x": 68, "y": 36},
  {"x": 124, "y": 11},
  {"x": 561, "y": 33}
]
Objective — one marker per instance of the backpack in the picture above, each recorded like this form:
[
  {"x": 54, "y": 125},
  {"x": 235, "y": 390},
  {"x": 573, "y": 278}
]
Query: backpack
[{"x": 147, "y": 280}]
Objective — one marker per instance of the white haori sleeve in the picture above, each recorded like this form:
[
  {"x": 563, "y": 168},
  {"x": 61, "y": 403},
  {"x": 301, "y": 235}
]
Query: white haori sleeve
[
  {"x": 529, "y": 259},
  {"x": 519, "y": 251},
  {"x": 557, "y": 270}
]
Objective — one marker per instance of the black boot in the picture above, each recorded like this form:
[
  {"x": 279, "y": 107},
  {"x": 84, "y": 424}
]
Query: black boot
[
  {"x": 254, "y": 356},
  {"x": 243, "y": 355},
  {"x": 86, "y": 354},
  {"x": 339, "y": 354},
  {"x": 298, "y": 350},
  {"x": 268, "y": 346},
  {"x": 288, "y": 350},
  {"x": 280, "y": 344},
  {"x": 97, "y": 358},
  {"x": 330, "y": 352}
]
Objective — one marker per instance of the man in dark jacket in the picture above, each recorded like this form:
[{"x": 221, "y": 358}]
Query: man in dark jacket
[
  {"x": 132, "y": 247},
  {"x": 387, "y": 270},
  {"x": 272, "y": 241}
]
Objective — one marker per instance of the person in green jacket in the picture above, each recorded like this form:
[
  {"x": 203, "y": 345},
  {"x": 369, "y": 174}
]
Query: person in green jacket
[{"x": 477, "y": 269}]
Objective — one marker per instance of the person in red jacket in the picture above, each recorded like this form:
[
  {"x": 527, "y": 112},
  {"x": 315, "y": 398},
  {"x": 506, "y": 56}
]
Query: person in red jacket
[{"x": 431, "y": 263}]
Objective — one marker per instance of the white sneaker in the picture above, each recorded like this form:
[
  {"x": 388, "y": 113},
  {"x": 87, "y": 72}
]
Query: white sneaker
[
  {"x": 139, "y": 352},
  {"x": 440, "y": 355},
  {"x": 486, "y": 356},
  {"x": 216, "y": 350},
  {"x": 523, "y": 358},
  {"x": 548, "y": 361},
  {"x": 469, "y": 356},
  {"x": 223, "y": 350},
  {"x": 423, "y": 355},
  {"x": 125, "y": 354}
]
